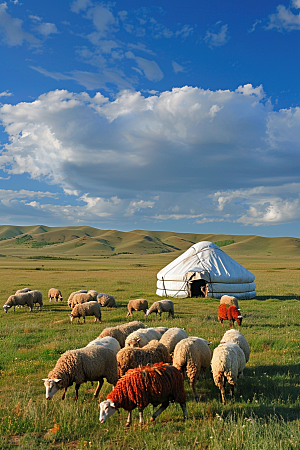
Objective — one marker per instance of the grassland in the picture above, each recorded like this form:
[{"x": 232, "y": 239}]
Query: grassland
[{"x": 266, "y": 414}]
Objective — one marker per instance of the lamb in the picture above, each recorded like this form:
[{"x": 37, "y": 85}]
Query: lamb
[
  {"x": 22, "y": 299},
  {"x": 78, "y": 366},
  {"x": 160, "y": 307},
  {"x": 120, "y": 332},
  {"x": 232, "y": 314},
  {"x": 192, "y": 355},
  {"x": 107, "y": 341},
  {"x": 239, "y": 339},
  {"x": 54, "y": 293},
  {"x": 142, "y": 337},
  {"x": 228, "y": 362},
  {"x": 80, "y": 298},
  {"x": 107, "y": 300},
  {"x": 82, "y": 291},
  {"x": 229, "y": 300},
  {"x": 171, "y": 337},
  {"x": 131, "y": 357},
  {"x": 157, "y": 385},
  {"x": 140, "y": 304},
  {"x": 37, "y": 298},
  {"x": 86, "y": 309}
]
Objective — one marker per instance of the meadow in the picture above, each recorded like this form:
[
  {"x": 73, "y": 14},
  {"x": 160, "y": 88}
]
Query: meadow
[{"x": 266, "y": 414}]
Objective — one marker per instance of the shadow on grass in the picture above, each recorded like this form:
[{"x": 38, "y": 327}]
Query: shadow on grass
[{"x": 281, "y": 298}]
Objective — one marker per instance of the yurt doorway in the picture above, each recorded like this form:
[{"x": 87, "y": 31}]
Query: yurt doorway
[{"x": 198, "y": 288}]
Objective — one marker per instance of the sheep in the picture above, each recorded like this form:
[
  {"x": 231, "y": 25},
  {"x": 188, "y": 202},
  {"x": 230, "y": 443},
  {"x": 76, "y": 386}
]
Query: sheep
[
  {"x": 192, "y": 355},
  {"x": 82, "y": 291},
  {"x": 239, "y": 339},
  {"x": 228, "y": 362},
  {"x": 22, "y": 299},
  {"x": 86, "y": 309},
  {"x": 93, "y": 294},
  {"x": 131, "y": 357},
  {"x": 120, "y": 332},
  {"x": 157, "y": 385},
  {"x": 37, "y": 298},
  {"x": 21, "y": 291},
  {"x": 107, "y": 300},
  {"x": 229, "y": 300},
  {"x": 78, "y": 366},
  {"x": 231, "y": 314},
  {"x": 107, "y": 341},
  {"x": 172, "y": 336},
  {"x": 140, "y": 304},
  {"x": 142, "y": 337},
  {"x": 80, "y": 298},
  {"x": 160, "y": 307},
  {"x": 54, "y": 293},
  {"x": 161, "y": 330}
]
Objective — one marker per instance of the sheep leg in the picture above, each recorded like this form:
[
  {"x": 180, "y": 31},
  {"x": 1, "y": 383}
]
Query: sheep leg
[
  {"x": 98, "y": 388},
  {"x": 77, "y": 386},
  {"x": 232, "y": 392},
  {"x": 160, "y": 410},
  {"x": 128, "y": 423},
  {"x": 184, "y": 410},
  {"x": 64, "y": 394},
  {"x": 141, "y": 418},
  {"x": 193, "y": 386}
]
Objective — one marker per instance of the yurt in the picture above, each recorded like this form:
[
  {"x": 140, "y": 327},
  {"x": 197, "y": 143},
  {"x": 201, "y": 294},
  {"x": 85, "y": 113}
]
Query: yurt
[{"x": 204, "y": 270}]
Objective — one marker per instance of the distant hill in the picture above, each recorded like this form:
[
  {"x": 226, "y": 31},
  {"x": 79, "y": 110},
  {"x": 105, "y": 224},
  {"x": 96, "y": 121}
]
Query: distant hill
[{"x": 88, "y": 241}]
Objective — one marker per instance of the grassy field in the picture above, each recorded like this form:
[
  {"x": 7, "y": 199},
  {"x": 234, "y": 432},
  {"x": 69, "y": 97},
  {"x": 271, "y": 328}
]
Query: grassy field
[{"x": 266, "y": 414}]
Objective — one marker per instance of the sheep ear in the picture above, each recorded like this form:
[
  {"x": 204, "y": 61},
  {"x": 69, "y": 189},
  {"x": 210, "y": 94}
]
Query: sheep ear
[
  {"x": 56, "y": 380},
  {"x": 45, "y": 379}
]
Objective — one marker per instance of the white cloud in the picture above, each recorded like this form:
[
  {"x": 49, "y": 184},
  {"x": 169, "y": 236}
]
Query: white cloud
[
  {"x": 103, "y": 19},
  {"x": 188, "y": 154},
  {"x": 46, "y": 29},
  {"x": 185, "y": 31},
  {"x": 12, "y": 30},
  {"x": 80, "y": 5},
  {"x": 177, "y": 67},
  {"x": 284, "y": 19},
  {"x": 150, "y": 69},
  {"x": 217, "y": 35},
  {"x": 5, "y": 94}
]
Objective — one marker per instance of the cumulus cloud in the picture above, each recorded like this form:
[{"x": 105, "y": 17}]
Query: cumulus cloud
[
  {"x": 12, "y": 31},
  {"x": 189, "y": 153},
  {"x": 284, "y": 18}
]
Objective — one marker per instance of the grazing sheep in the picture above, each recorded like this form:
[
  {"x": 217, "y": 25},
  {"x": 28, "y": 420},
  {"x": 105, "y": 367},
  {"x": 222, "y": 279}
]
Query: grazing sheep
[
  {"x": 93, "y": 294},
  {"x": 82, "y": 291},
  {"x": 140, "y": 304},
  {"x": 80, "y": 298},
  {"x": 172, "y": 336},
  {"x": 228, "y": 362},
  {"x": 157, "y": 385},
  {"x": 54, "y": 293},
  {"x": 37, "y": 298},
  {"x": 229, "y": 300},
  {"x": 142, "y": 337},
  {"x": 86, "y": 309},
  {"x": 92, "y": 363},
  {"x": 21, "y": 291},
  {"x": 231, "y": 314},
  {"x": 22, "y": 299},
  {"x": 192, "y": 355},
  {"x": 239, "y": 339},
  {"x": 107, "y": 341},
  {"x": 107, "y": 300},
  {"x": 131, "y": 357},
  {"x": 120, "y": 332},
  {"x": 160, "y": 307},
  {"x": 161, "y": 330}
]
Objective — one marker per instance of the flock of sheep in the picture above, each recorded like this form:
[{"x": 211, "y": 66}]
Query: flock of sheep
[{"x": 144, "y": 365}]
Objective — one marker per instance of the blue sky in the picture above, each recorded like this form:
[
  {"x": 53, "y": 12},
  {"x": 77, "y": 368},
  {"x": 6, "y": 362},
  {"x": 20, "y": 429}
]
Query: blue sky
[{"x": 179, "y": 116}]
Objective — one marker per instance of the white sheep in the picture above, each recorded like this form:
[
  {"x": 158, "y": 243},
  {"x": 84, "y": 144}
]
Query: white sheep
[
  {"x": 54, "y": 293},
  {"x": 92, "y": 363},
  {"x": 108, "y": 342},
  {"x": 107, "y": 300},
  {"x": 238, "y": 338},
  {"x": 172, "y": 336},
  {"x": 86, "y": 309},
  {"x": 140, "y": 304},
  {"x": 228, "y": 362},
  {"x": 21, "y": 291},
  {"x": 229, "y": 300},
  {"x": 161, "y": 330},
  {"x": 120, "y": 332},
  {"x": 142, "y": 337},
  {"x": 37, "y": 298},
  {"x": 191, "y": 355},
  {"x": 93, "y": 294},
  {"x": 160, "y": 307},
  {"x": 82, "y": 291},
  {"x": 81, "y": 297},
  {"x": 22, "y": 299}
]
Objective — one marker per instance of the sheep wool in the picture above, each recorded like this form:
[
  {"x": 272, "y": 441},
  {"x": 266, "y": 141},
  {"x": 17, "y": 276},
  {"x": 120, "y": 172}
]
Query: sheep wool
[
  {"x": 160, "y": 307},
  {"x": 107, "y": 300},
  {"x": 82, "y": 291},
  {"x": 239, "y": 339},
  {"x": 142, "y": 337},
  {"x": 37, "y": 298},
  {"x": 172, "y": 336},
  {"x": 140, "y": 304},
  {"x": 231, "y": 314},
  {"x": 192, "y": 355},
  {"x": 120, "y": 332},
  {"x": 132, "y": 357},
  {"x": 54, "y": 293},
  {"x": 86, "y": 309},
  {"x": 149, "y": 384},
  {"x": 93, "y": 294},
  {"x": 108, "y": 342},
  {"x": 22, "y": 299},
  {"x": 229, "y": 300}
]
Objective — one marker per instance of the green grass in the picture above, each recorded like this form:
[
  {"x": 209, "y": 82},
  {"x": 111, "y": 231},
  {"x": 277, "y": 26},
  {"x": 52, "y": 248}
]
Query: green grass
[{"x": 266, "y": 414}]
